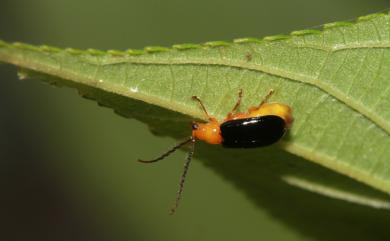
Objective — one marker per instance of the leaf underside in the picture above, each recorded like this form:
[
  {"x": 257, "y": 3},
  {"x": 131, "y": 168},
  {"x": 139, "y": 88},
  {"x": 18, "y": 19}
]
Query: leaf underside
[{"x": 336, "y": 81}]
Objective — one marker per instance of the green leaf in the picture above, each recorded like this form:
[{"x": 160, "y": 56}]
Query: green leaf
[{"x": 336, "y": 81}]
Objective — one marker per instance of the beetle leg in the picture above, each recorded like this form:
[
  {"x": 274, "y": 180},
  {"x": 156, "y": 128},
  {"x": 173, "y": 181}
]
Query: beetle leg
[
  {"x": 238, "y": 102},
  {"x": 266, "y": 98},
  {"x": 202, "y": 106},
  {"x": 231, "y": 113}
]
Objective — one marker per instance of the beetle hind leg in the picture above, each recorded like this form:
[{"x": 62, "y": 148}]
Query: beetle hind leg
[
  {"x": 235, "y": 107},
  {"x": 265, "y": 100},
  {"x": 238, "y": 102}
]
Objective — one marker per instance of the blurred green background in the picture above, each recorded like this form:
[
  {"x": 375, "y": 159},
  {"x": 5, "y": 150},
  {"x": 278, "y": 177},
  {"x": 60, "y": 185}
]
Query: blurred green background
[{"x": 68, "y": 166}]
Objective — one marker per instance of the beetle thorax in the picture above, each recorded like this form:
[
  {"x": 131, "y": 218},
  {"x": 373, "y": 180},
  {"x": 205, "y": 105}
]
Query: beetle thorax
[{"x": 207, "y": 132}]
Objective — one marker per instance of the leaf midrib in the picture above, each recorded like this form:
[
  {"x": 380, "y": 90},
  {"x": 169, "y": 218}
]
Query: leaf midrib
[{"x": 378, "y": 120}]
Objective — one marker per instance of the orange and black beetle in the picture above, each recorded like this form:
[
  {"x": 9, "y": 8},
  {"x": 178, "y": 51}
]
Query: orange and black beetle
[{"x": 261, "y": 125}]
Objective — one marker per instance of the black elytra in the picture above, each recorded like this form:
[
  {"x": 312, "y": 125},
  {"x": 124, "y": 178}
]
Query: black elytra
[{"x": 252, "y": 132}]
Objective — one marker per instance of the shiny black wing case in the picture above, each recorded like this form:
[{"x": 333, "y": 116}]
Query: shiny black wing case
[{"x": 252, "y": 132}]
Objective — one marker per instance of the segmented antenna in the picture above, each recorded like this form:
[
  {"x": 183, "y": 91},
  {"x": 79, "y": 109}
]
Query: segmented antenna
[
  {"x": 169, "y": 151},
  {"x": 183, "y": 177}
]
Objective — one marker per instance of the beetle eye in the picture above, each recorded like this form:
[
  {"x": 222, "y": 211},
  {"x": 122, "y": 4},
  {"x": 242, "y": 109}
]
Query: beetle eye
[{"x": 194, "y": 125}]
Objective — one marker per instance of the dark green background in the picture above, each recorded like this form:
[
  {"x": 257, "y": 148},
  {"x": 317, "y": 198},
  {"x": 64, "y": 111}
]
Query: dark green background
[{"x": 68, "y": 169}]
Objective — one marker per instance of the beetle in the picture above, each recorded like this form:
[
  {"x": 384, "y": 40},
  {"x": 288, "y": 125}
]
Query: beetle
[{"x": 261, "y": 125}]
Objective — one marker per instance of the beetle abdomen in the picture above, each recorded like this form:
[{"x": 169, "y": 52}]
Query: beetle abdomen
[{"x": 252, "y": 132}]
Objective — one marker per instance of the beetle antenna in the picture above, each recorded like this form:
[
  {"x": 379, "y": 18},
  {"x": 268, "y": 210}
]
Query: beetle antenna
[
  {"x": 191, "y": 139},
  {"x": 183, "y": 177}
]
